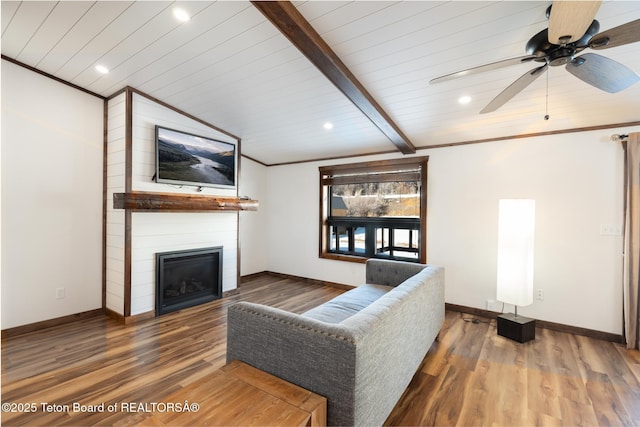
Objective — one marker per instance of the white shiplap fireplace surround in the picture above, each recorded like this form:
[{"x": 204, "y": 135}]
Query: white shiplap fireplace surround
[{"x": 133, "y": 237}]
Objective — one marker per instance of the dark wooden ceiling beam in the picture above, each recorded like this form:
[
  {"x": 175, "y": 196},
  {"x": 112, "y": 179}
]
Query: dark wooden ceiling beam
[{"x": 285, "y": 16}]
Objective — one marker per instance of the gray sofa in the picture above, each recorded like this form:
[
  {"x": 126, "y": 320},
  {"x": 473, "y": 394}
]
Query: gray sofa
[{"x": 360, "y": 350}]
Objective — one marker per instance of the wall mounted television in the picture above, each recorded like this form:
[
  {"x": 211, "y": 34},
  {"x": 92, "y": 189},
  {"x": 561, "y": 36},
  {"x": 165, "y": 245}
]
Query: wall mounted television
[{"x": 186, "y": 159}]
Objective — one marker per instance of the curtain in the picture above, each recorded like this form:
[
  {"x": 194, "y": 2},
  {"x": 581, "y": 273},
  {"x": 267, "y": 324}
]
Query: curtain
[{"x": 631, "y": 274}]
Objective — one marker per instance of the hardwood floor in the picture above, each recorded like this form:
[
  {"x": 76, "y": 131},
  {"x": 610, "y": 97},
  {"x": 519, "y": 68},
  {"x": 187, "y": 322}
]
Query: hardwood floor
[{"x": 471, "y": 376}]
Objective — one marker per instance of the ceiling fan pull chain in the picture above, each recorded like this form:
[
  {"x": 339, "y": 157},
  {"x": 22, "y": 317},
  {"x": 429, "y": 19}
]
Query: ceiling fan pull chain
[{"x": 546, "y": 107}]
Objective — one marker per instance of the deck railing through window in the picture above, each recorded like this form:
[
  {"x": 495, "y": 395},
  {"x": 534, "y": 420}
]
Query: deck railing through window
[{"x": 393, "y": 238}]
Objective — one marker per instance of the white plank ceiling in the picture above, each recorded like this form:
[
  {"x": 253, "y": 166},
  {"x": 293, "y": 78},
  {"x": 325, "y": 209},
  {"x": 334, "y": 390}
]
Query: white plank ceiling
[{"x": 230, "y": 67}]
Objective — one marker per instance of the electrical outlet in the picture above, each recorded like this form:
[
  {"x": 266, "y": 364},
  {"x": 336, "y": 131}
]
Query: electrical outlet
[
  {"x": 60, "y": 292},
  {"x": 610, "y": 230},
  {"x": 493, "y": 305},
  {"x": 540, "y": 295}
]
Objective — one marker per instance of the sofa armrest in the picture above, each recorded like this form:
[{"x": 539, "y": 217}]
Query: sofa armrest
[
  {"x": 389, "y": 272},
  {"x": 317, "y": 356}
]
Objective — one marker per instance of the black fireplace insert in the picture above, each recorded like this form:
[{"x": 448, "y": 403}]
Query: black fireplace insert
[{"x": 187, "y": 278}]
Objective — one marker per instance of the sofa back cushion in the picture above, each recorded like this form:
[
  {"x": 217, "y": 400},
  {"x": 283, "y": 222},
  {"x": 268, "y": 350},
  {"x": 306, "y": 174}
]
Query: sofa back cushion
[{"x": 390, "y": 273}]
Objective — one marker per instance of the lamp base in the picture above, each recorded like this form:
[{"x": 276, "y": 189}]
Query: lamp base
[{"x": 520, "y": 328}]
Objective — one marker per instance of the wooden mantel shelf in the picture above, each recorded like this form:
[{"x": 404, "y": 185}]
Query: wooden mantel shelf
[{"x": 173, "y": 202}]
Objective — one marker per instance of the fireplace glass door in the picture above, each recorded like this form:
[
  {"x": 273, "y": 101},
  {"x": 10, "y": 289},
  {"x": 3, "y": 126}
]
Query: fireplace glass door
[{"x": 187, "y": 278}]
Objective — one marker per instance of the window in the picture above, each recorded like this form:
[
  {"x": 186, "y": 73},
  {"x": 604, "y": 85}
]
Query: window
[{"x": 374, "y": 210}]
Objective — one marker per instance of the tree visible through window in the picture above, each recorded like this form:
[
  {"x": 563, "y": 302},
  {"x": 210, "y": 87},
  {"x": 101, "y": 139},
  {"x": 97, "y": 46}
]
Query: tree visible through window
[{"x": 374, "y": 209}]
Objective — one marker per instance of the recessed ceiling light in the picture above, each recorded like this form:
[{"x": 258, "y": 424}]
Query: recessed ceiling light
[
  {"x": 328, "y": 125},
  {"x": 102, "y": 69},
  {"x": 464, "y": 99},
  {"x": 181, "y": 14}
]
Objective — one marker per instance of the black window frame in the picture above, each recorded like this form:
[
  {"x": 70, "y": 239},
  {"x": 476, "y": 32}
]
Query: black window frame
[{"x": 405, "y": 169}]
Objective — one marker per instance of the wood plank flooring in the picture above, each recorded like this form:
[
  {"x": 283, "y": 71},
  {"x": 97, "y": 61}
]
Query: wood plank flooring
[{"x": 471, "y": 376}]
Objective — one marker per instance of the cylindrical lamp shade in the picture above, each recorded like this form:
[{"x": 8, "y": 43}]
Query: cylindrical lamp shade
[{"x": 516, "y": 226}]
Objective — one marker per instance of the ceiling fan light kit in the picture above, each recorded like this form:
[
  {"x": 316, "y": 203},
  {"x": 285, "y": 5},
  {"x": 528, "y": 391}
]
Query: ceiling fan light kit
[{"x": 572, "y": 29}]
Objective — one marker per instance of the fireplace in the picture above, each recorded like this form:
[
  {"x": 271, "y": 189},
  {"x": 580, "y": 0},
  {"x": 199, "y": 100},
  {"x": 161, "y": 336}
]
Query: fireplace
[{"x": 187, "y": 278}]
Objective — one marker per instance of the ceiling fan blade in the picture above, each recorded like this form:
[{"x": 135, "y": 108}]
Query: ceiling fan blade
[
  {"x": 603, "y": 73},
  {"x": 484, "y": 68},
  {"x": 617, "y": 36},
  {"x": 513, "y": 89},
  {"x": 569, "y": 20}
]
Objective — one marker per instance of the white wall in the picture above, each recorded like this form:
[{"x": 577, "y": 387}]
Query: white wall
[
  {"x": 253, "y": 224},
  {"x": 52, "y": 151},
  {"x": 292, "y": 226},
  {"x": 576, "y": 180}
]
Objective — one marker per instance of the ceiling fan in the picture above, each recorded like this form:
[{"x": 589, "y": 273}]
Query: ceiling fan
[{"x": 572, "y": 29}]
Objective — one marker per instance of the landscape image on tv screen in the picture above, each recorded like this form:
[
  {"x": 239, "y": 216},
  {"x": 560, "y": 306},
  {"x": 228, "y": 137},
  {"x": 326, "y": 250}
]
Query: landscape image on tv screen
[{"x": 184, "y": 158}]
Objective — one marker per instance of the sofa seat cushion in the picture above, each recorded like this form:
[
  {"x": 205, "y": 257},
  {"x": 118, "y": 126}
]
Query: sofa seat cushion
[{"x": 347, "y": 304}]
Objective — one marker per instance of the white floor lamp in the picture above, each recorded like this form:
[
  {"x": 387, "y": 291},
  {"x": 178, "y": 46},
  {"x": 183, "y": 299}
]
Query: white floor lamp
[{"x": 516, "y": 226}]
